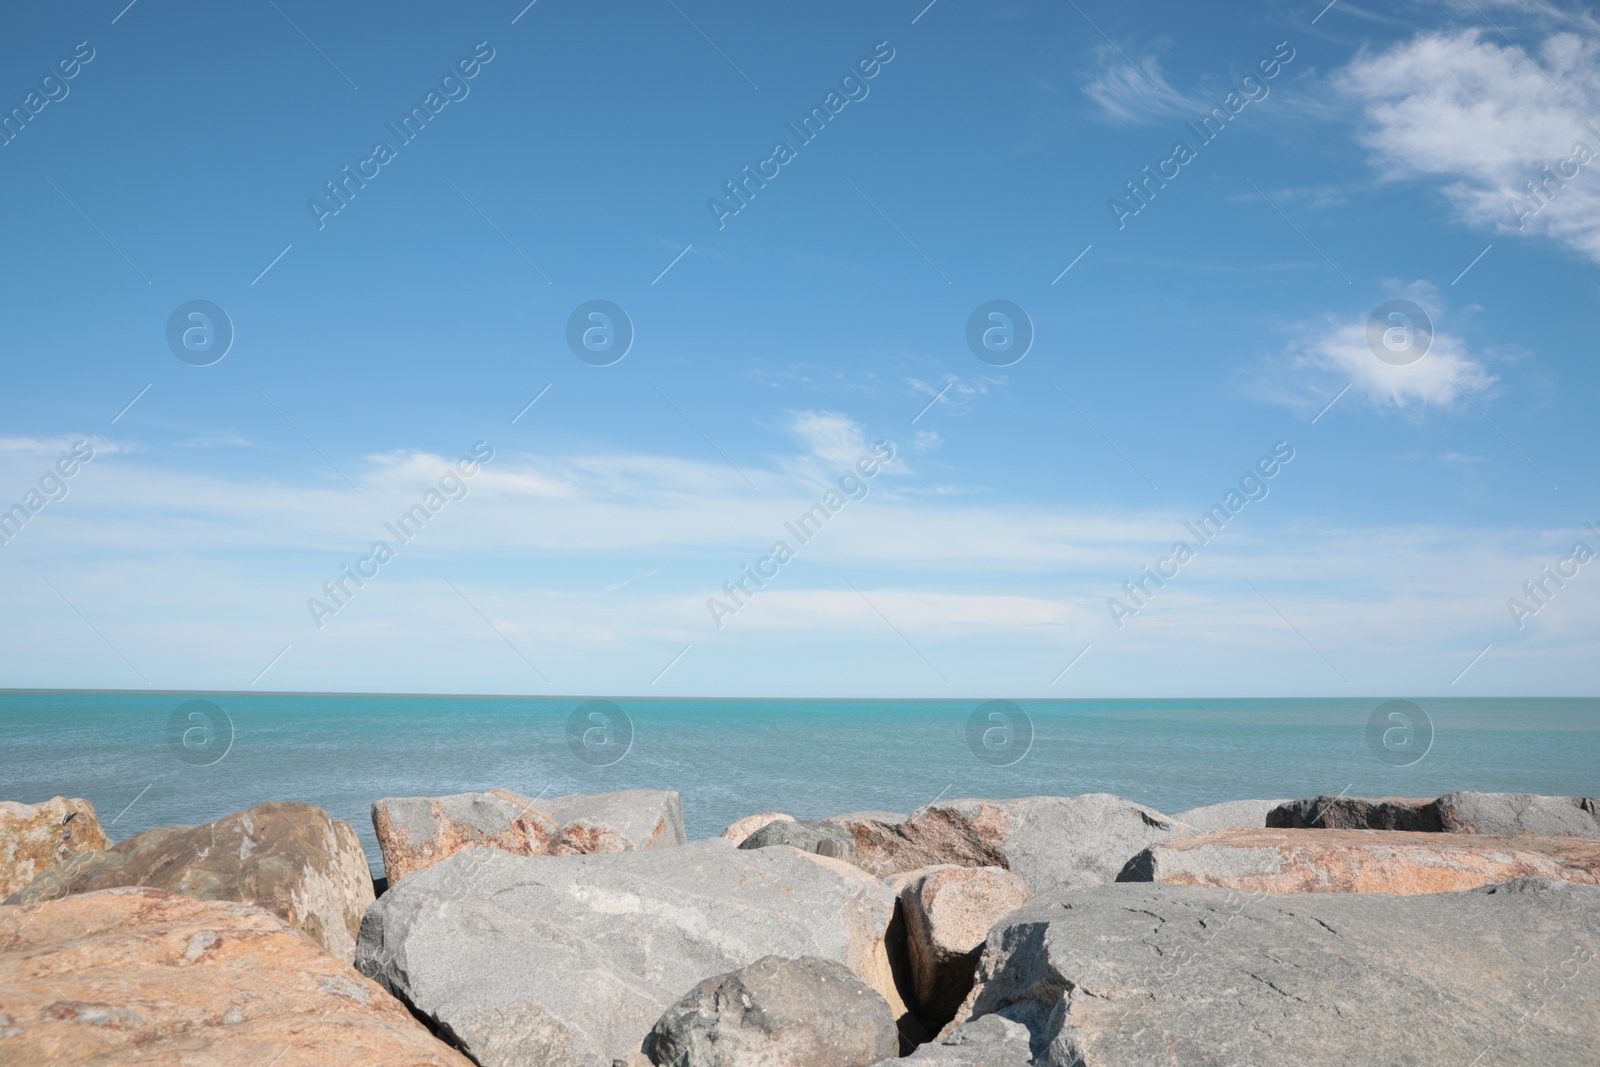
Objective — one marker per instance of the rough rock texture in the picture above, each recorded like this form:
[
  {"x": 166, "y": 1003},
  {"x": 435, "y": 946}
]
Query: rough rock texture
[
  {"x": 35, "y": 837},
  {"x": 569, "y": 962},
  {"x": 616, "y": 822},
  {"x": 1357, "y": 813},
  {"x": 292, "y": 859},
  {"x": 948, "y": 913},
  {"x": 1362, "y": 861},
  {"x": 823, "y": 838},
  {"x": 1229, "y": 815},
  {"x": 777, "y": 1012},
  {"x": 1512, "y": 814},
  {"x": 416, "y": 832},
  {"x": 1146, "y": 975},
  {"x": 1049, "y": 842},
  {"x": 740, "y": 829},
  {"x": 992, "y": 1041},
  {"x": 1493, "y": 814},
  {"x": 145, "y": 978}
]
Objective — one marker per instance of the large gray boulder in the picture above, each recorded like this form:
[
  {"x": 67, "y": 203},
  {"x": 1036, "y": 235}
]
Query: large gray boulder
[
  {"x": 416, "y": 832},
  {"x": 1049, "y": 842},
  {"x": 1229, "y": 815},
  {"x": 1147, "y": 975},
  {"x": 823, "y": 838},
  {"x": 777, "y": 1012},
  {"x": 1513, "y": 814},
  {"x": 569, "y": 961}
]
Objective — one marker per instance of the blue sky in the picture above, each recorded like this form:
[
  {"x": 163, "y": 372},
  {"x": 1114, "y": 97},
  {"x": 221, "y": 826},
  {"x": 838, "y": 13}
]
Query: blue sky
[{"x": 374, "y": 347}]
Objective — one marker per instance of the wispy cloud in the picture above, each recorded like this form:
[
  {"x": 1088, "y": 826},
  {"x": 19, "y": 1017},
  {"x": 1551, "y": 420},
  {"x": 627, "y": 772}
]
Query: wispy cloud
[{"x": 1126, "y": 96}]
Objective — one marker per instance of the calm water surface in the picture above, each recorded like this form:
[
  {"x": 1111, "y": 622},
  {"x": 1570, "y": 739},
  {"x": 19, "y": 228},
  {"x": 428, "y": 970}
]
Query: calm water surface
[{"x": 145, "y": 761}]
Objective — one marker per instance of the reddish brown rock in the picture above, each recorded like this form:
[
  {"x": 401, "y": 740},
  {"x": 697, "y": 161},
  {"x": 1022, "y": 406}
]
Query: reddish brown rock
[
  {"x": 145, "y": 978},
  {"x": 948, "y": 911},
  {"x": 1363, "y": 861},
  {"x": 292, "y": 859},
  {"x": 36, "y": 837},
  {"x": 415, "y": 833},
  {"x": 740, "y": 829}
]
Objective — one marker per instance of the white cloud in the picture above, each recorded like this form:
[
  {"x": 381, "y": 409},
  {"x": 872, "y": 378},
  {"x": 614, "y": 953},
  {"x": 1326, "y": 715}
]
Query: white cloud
[
  {"x": 1125, "y": 95},
  {"x": 1433, "y": 381},
  {"x": 1488, "y": 120},
  {"x": 1325, "y": 355}
]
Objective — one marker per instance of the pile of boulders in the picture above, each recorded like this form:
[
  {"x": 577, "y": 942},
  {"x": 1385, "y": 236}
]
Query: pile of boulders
[{"x": 587, "y": 931}]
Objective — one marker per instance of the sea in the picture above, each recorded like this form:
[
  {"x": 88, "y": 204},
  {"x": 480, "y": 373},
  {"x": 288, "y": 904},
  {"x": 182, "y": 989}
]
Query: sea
[{"x": 151, "y": 759}]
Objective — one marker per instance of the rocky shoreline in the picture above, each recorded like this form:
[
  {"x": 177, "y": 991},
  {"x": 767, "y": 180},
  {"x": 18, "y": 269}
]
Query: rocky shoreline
[{"x": 588, "y": 931}]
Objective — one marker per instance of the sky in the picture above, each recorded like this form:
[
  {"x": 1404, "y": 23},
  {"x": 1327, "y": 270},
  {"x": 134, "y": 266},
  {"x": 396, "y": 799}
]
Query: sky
[{"x": 1010, "y": 296}]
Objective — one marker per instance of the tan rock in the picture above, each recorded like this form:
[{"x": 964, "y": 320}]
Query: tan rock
[
  {"x": 145, "y": 978},
  {"x": 414, "y": 833},
  {"x": 740, "y": 829},
  {"x": 948, "y": 912},
  {"x": 36, "y": 837},
  {"x": 292, "y": 859},
  {"x": 1363, "y": 861}
]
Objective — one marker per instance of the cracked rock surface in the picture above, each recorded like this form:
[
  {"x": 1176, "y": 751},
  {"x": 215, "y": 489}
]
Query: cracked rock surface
[{"x": 1140, "y": 974}]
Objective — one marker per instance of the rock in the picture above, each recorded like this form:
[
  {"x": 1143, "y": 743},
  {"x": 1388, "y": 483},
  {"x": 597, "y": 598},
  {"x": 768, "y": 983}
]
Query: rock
[
  {"x": 823, "y": 838},
  {"x": 1049, "y": 842},
  {"x": 992, "y": 1041},
  {"x": 740, "y": 829},
  {"x": 876, "y": 816},
  {"x": 35, "y": 837},
  {"x": 292, "y": 859},
  {"x": 616, "y": 822},
  {"x": 146, "y": 978},
  {"x": 1357, "y": 813},
  {"x": 1146, "y": 975},
  {"x": 570, "y": 961},
  {"x": 1229, "y": 815},
  {"x": 948, "y": 913},
  {"x": 1513, "y": 814},
  {"x": 1492, "y": 814},
  {"x": 416, "y": 832},
  {"x": 777, "y": 1012},
  {"x": 1362, "y": 861}
]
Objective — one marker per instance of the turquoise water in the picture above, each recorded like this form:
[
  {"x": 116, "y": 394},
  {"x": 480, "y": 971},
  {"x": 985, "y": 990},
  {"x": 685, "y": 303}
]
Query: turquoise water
[{"x": 730, "y": 758}]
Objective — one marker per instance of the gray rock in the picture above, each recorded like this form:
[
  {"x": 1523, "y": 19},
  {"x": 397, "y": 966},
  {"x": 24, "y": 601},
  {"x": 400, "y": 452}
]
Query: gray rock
[
  {"x": 1416, "y": 814},
  {"x": 777, "y": 1012},
  {"x": 417, "y": 832},
  {"x": 1049, "y": 842},
  {"x": 992, "y": 1041},
  {"x": 1146, "y": 975},
  {"x": 569, "y": 961},
  {"x": 617, "y": 822},
  {"x": 1514, "y": 814},
  {"x": 823, "y": 838},
  {"x": 1229, "y": 815}
]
